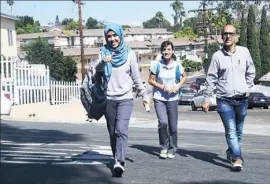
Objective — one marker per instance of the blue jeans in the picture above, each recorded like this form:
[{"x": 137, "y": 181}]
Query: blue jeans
[{"x": 233, "y": 113}]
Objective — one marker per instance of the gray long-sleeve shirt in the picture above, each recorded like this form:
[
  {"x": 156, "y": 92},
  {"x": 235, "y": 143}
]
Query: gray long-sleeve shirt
[
  {"x": 122, "y": 79},
  {"x": 230, "y": 74}
]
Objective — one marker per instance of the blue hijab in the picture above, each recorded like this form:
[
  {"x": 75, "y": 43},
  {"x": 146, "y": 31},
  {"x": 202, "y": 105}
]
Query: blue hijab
[{"x": 119, "y": 54}]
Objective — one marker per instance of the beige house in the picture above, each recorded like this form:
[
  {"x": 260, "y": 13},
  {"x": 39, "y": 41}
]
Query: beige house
[{"x": 8, "y": 36}]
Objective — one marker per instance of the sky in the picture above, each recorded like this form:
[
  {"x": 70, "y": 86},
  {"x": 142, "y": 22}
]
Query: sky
[{"x": 121, "y": 12}]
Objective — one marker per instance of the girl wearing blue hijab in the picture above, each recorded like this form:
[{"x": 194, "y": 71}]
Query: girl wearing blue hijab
[{"x": 121, "y": 70}]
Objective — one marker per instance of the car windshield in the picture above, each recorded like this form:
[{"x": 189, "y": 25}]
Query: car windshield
[
  {"x": 257, "y": 94},
  {"x": 188, "y": 90}
]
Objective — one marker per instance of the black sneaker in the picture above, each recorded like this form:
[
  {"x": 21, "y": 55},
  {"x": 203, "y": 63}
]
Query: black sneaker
[{"x": 118, "y": 169}]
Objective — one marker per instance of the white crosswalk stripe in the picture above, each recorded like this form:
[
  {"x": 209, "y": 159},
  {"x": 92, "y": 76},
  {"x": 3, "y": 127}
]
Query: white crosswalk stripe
[{"x": 54, "y": 153}]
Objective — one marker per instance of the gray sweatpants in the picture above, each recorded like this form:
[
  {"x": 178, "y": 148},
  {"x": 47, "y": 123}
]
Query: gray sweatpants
[
  {"x": 167, "y": 114},
  {"x": 117, "y": 115}
]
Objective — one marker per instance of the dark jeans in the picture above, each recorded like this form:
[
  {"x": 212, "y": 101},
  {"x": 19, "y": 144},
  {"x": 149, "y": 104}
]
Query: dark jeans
[
  {"x": 117, "y": 115},
  {"x": 167, "y": 114},
  {"x": 233, "y": 113}
]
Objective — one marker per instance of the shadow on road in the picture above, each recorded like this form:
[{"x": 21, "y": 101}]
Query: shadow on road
[
  {"x": 200, "y": 155},
  {"x": 20, "y": 135},
  {"x": 204, "y": 156},
  {"x": 21, "y": 165}
]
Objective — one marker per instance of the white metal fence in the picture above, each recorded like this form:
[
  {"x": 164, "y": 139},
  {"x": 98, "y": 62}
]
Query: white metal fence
[
  {"x": 30, "y": 83},
  {"x": 64, "y": 92}
]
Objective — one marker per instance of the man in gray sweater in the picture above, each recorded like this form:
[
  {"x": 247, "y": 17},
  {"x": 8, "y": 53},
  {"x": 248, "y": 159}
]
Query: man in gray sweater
[{"x": 232, "y": 73}]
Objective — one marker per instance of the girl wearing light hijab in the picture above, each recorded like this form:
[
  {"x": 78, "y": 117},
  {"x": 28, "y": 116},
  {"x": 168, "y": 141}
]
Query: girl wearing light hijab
[{"x": 121, "y": 70}]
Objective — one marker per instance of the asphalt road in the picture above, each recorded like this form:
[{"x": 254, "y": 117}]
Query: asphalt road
[{"x": 45, "y": 153}]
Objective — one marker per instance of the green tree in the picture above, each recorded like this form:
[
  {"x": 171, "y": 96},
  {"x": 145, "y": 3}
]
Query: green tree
[
  {"x": 191, "y": 65},
  {"x": 91, "y": 23},
  {"x": 126, "y": 26},
  {"x": 26, "y": 24},
  {"x": 178, "y": 9},
  {"x": 158, "y": 21},
  {"x": 185, "y": 33},
  {"x": 66, "y": 21},
  {"x": 39, "y": 51},
  {"x": 252, "y": 41},
  {"x": 264, "y": 44},
  {"x": 74, "y": 25},
  {"x": 243, "y": 31},
  {"x": 192, "y": 23},
  {"x": 57, "y": 22},
  {"x": 211, "y": 49}
]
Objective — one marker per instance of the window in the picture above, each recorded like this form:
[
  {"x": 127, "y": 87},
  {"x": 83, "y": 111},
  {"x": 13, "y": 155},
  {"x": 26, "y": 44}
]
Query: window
[{"x": 10, "y": 38}]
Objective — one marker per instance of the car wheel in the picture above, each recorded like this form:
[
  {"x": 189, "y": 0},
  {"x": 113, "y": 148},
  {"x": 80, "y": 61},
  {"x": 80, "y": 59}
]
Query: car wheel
[
  {"x": 193, "y": 107},
  {"x": 266, "y": 107}
]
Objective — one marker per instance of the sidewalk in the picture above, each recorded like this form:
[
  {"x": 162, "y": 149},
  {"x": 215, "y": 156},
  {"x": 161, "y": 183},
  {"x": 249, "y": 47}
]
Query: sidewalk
[{"x": 74, "y": 113}]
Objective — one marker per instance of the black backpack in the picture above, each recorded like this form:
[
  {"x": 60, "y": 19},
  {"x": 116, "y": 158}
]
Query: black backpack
[{"x": 93, "y": 94}]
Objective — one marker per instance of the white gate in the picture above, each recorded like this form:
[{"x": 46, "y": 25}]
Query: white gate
[
  {"x": 31, "y": 83},
  {"x": 7, "y": 76},
  {"x": 26, "y": 83}
]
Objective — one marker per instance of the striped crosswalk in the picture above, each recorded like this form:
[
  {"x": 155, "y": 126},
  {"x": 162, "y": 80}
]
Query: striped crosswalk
[{"x": 54, "y": 153}]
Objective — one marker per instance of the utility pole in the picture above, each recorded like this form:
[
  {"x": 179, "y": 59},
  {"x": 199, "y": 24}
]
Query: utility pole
[
  {"x": 83, "y": 61},
  {"x": 206, "y": 24}
]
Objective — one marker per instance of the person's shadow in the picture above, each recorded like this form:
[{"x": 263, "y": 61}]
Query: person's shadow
[{"x": 200, "y": 155}]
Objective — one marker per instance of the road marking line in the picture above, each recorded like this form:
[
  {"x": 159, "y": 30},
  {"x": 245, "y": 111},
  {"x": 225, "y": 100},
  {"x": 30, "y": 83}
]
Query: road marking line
[
  {"x": 22, "y": 144},
  {"x": 38, "y": 152},
  {"x": 57, "y": 163},
  {"x": 50, "y": 149}
]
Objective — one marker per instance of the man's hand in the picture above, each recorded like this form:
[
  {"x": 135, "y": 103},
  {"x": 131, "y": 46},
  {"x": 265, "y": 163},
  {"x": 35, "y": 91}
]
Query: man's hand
[
  {"x": 205, "y": 106},
  {"x": 146, "y": 105},
  {"x": 107, "y": 58}
]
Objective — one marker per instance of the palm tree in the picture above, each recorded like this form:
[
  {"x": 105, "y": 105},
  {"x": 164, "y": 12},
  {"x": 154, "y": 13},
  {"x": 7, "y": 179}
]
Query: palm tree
[
  {"x": 178, "y": 8},
  {"x": 10, "y": 3},
  {"x": 159, "y": 17}
]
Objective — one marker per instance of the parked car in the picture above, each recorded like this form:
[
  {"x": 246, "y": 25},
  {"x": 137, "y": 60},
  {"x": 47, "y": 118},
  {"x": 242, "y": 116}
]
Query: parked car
[
  {"x": 257, "y": 99},
  {"x": 199, "y": 98},
  {"x": 197, "y": 84},
  {"x": 6, "y": 103},
  {"x": 186, "y": 95}
]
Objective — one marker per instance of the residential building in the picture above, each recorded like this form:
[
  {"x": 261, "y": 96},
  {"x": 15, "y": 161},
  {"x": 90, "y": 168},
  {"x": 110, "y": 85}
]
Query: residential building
[
  {"x": 92, "y": 37},
  {"x": 56, "y": 38},
  {"x": 8, "y": 36},
  {"x": 142, "y": 34},
  {"x": 265, "y": 80}
]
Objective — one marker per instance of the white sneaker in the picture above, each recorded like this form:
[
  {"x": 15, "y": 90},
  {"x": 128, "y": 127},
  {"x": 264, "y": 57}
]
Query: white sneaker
[
  {"x": 118, "y": 169},
  {"x": 237, "y": 165},
  {"x": 170, "y": 155},
  {"x": 163, "y": 154}
]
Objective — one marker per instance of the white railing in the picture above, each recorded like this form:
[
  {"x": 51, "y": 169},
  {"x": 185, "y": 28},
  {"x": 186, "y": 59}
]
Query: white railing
[
  {"x": 64, "y": 92},
  {"x": 30, "y": 83}
]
